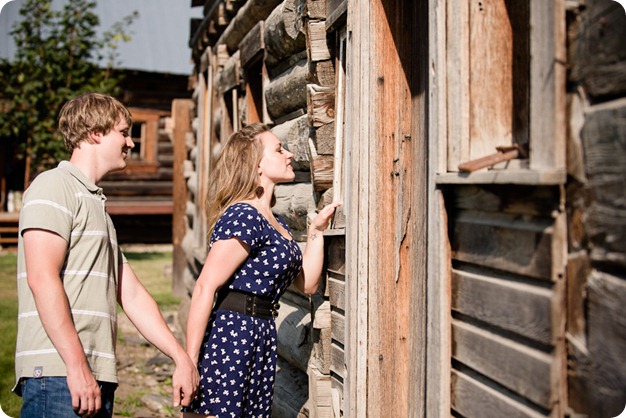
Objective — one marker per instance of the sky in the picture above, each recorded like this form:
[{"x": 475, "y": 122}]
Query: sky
[{"x": 160, "y": 34}]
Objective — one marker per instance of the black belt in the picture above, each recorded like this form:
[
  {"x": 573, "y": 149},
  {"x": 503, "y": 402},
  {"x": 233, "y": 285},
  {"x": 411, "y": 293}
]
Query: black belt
[{"x": 247, "y": 304}]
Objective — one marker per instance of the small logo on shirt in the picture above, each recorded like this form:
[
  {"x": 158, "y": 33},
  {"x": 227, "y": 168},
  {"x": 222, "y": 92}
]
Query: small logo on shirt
[{"x": 38, "y": 372}]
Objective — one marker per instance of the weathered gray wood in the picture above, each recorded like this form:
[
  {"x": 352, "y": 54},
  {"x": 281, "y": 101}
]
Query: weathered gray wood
[
  {"x": 336, "y": 288},
  {"x": 504, "y": 242},
  {"x": 338, "y": 360},
  {"x": 516, "y": 307},
  {"x": 578, "y": 270},
  {"x": 521, "y": 369},
  {"x": 315, "y": 9},
  {"x": 598, "y": 373},
  {"x": 294, "y": 334},
  {"x": 321, "y": 169},
  {"x": 520, "y": 200},
  {"x": 321, "y": 354},
  {"x": 293, "y": 203},
  {"x": 320, "y": 105},
  {"x": 338, "y": 328},
  {"x": 599, "y": 62},
  {"x": 547, "y": 85},
  {"x": 324, "y": 139},
  {"x": 336, "y": 261},
  {"x": 605, "y": 163},
  {"x": 294, "y": 134},
  {"x": 284, "y": 32},
  {"x": 230, "y": 76},
  {"x": 290, "y": 391},
  {"x": 320, "y": 393},
  {"x": 252, "y": 45},
  {"x": 245, "y": 19},
  {"x": 287, "y": 92},
  {"x": 336, "y": 11},
  {"x": 472, "y": 398},
  {"x": 317, "y": 46}
]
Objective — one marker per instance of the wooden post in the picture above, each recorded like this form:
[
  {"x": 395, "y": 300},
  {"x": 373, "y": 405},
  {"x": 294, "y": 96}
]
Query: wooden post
[{"x": 182, "y": 125}]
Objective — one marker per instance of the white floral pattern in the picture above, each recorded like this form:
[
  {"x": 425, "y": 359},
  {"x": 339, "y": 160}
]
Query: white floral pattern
[{"x": 237, "y": 362}]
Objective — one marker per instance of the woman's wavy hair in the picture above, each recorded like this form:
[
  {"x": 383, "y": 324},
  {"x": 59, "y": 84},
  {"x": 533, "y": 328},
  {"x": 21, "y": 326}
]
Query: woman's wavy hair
[
  {"x": 235, "y": 176},
  {"x": 90, "y": 113}
]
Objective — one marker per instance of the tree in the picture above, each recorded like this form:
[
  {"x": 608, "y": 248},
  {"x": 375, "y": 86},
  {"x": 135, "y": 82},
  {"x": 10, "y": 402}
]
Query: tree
[{"x": 59, "y": 55}]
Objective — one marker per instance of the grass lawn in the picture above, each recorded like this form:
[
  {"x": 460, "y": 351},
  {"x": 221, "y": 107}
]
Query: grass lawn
[{"x": 150, "y": 267}]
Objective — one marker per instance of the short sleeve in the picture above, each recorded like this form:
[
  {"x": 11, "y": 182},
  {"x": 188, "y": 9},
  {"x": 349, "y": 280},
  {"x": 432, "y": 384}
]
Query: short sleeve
[
  {"x": 46, "y": 206},
  {"x": 243, "y": 222}
]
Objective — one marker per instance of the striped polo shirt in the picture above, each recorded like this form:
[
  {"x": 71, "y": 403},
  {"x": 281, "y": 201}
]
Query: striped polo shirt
[{"x": 64, "y": 201}]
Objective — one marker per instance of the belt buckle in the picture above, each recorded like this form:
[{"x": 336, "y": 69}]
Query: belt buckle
[
  {"x": 250, "y": 306},
  {"x": 275, "y": 308}
]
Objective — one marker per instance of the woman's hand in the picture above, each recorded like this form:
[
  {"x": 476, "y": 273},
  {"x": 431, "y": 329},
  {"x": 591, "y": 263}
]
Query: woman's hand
[{"x": 322, "y": 220}]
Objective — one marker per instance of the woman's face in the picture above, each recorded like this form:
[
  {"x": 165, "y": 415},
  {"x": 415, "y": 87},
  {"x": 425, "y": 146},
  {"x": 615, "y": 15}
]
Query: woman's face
[{"x": 276, "y": 161}]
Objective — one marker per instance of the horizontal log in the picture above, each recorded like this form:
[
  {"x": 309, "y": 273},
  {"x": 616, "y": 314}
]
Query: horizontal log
[
  {"x": 598, "y": 371},
  {"x": 605, "y": 162},
  {"x": 252, "y": 45},
  {"x": 136, "y": 188},
  {"x": 293, "y": 204},
  {"x": 337, "y": 290},
  {"x": 284, "y": 33},
  {"x": 472, "y": 398},
  {"x": 504, "y": 242},
  {"x": 324, "y": 139},
  {"x": 245, "y": 19},
  {"x": 519, "y": 200},
  {"x": 294, "y": 334},
  {"x": 516, "y": 307},
  {"x": 323, "y": 73},
  {"x": 315, "y": 9},
  {"x": 320, "y": 393},
  {"x": 317, "y": 44},
  {"x": 320, "y": 105},
  {"x": 294, "y": 134},
  {"x": 337, "y": 255},
  {"x": 338, "y": 360},
  {"x": 338, "y": 328},
  {"x": 139, "y": 208},
  {"x": 230, "y": 76},
  {"x": 290, "y": 391},
  {"x": 322, "y": 167},
  {"x": 521, "y": 369},
  {"x": 287, "y": 92}
]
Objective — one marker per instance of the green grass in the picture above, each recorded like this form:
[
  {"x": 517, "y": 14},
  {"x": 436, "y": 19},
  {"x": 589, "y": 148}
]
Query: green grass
[
  {"x": 10, "y": 403},
  {"x": 151, "y": 269}
]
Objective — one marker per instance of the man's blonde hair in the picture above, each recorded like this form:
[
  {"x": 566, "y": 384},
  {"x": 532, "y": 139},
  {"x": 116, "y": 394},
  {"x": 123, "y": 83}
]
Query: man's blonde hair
[{"x": 90, "y": 113}]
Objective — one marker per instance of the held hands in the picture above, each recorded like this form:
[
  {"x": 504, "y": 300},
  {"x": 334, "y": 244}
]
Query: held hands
[{"x": 185, "y": 381}]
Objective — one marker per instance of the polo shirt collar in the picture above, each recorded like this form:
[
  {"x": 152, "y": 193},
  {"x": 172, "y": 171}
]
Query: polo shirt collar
[{"x": 80, "y": 176}]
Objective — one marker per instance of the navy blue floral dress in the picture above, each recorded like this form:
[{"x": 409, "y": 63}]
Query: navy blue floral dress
[{"x": 237, "y": 362}]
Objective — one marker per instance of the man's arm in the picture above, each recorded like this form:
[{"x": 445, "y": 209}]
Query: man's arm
[
  {"x": 45, "y": 252},
  {"x": 143, "y": 312}
]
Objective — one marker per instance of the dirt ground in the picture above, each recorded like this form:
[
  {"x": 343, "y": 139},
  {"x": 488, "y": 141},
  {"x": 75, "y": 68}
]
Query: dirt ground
[{"x": 144, "y": 374}]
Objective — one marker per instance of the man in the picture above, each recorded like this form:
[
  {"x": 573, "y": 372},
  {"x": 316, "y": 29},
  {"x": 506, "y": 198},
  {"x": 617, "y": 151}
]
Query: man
[{"x": 71, "y": 272}]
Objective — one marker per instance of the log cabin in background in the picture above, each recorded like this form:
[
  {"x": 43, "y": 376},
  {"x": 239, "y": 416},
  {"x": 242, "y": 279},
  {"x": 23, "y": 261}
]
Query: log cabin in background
[{"x": 478, "y": 266}]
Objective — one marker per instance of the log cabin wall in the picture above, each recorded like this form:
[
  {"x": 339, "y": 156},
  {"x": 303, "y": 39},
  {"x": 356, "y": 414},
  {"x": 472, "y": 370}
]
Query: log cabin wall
[
  {"x": 267, "y": 61},
  {"x": 478, "y": 149}
]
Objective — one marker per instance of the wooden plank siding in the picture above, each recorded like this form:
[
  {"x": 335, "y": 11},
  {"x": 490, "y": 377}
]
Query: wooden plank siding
[{"x": 507, "y": 298}]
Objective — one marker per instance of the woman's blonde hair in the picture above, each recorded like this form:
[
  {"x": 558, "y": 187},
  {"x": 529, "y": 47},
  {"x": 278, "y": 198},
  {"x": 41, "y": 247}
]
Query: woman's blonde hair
[
  {"x": 235, "y": 177},
  {"x": 90, "y": 113}
]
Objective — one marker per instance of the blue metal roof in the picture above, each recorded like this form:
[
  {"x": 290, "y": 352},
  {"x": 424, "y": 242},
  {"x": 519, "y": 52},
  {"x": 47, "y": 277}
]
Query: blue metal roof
[{"x": 160, "y": 34}]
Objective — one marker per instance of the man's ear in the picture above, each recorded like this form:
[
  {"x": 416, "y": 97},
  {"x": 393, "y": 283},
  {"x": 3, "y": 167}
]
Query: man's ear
[{"x": 94, "y": 137}]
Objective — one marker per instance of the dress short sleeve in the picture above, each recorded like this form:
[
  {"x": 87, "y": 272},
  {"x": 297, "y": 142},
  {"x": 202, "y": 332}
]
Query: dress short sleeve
[{"x": 243, "y": 222}]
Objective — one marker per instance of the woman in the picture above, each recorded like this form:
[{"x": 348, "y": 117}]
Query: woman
[{"x": 251, "y": 262}]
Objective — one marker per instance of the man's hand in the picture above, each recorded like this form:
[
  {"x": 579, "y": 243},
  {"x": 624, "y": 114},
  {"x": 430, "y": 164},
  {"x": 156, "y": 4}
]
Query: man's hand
[
  {"x": 185, "y": 381},
  {"x": 85, "y": 391}
]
